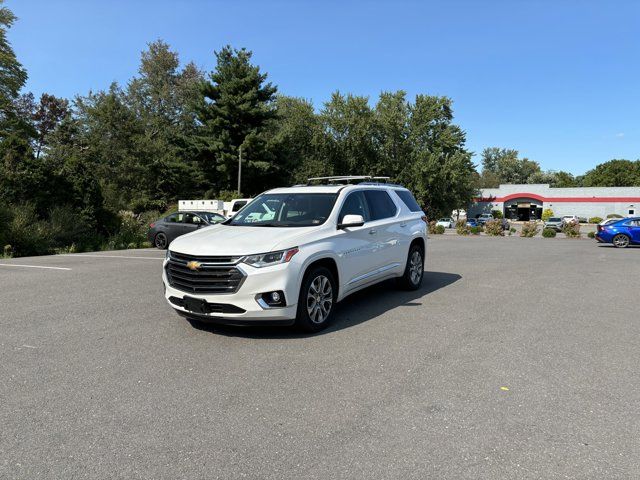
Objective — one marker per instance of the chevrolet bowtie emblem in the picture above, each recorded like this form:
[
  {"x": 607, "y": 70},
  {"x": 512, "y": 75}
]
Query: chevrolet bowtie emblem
[{"x": 193, "y": 265}]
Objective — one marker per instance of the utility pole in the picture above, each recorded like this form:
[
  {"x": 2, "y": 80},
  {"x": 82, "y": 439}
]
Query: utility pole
[{"x": 239, "y": 168}]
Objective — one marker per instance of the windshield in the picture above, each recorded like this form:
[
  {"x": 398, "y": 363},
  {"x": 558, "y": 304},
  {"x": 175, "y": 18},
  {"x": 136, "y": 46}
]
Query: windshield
[
  {"x": 286, "y": 210},
  {"x": 554, "y": 219}
]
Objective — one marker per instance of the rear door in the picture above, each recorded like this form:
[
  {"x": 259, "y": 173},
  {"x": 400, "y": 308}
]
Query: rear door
[
  {"x": 385, "y": 230},
  {"x": 173, "y": 225}
]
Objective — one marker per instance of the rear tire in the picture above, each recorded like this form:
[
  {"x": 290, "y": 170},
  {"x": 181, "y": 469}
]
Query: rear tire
[
  {"x": 414, "y": 270},
  {"x": 160, "y": 241},
  {"x": 317, "y": 300},
  {"x": 621, "y": 241}
]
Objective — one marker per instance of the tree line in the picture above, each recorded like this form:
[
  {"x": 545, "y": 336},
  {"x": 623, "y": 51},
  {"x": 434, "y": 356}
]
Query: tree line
[
  {"x": 91, "y": 172},
  {"x": 502, "y": 165}
]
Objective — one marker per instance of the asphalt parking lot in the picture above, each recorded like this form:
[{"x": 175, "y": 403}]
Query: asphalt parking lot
[{"x": 517, "y": 359}]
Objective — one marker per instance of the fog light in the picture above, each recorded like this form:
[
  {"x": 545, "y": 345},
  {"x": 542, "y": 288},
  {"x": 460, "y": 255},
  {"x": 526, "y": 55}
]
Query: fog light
[{"x": 272, "y": 299}]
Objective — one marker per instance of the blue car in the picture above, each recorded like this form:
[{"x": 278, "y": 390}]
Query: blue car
[
  {"x": 472, "y": 222},
  {"x": 621, "y": 233}
]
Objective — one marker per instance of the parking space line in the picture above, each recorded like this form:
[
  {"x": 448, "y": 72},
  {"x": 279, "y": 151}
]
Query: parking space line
[
  {"x": 76, "y": 255},
  {"x": 32, "y": 266}
]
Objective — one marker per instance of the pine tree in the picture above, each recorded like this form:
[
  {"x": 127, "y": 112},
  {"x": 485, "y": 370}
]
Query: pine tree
[{"x": 236, "y": 109}]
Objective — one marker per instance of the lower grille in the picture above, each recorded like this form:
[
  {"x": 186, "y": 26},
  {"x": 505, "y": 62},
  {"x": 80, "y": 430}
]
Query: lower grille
[
  {"x": 210, "y": 307},
  {"x": 205, "y": 278}
]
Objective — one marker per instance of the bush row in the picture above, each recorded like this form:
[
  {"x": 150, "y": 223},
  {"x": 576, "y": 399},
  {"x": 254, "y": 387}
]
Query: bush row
[{"x": 23, "y": 232}]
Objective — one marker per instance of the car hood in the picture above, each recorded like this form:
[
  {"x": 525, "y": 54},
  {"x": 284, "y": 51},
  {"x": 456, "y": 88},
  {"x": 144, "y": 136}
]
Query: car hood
[{"x": 232, "y": 240}]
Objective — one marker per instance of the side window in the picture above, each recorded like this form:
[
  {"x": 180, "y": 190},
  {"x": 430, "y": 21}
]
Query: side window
[
  {"x": 380, "y": 204},
  {"x": 408, "y": 200},
  {"x": 238, "y": 205},
  {"x": 355, "y": 204},
  {"x": 174, "y": 218},
  {"x": 191, "y": 218}
]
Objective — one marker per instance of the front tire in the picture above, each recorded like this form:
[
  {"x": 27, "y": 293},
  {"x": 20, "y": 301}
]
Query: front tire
[
  {"x": 621, "y": 241},
  {"x": 317, "y": 300},
  {"x": 414, "y": 270}
]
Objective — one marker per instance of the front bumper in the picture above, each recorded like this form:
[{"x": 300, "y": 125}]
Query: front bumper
[{"x": 257, "y": 281}]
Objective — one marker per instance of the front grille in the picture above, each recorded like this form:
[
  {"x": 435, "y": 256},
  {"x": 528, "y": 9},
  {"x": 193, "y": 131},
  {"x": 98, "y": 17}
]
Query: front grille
[
  {"x": 215, "y": 274},
  {"x": 222, "y": 259}
]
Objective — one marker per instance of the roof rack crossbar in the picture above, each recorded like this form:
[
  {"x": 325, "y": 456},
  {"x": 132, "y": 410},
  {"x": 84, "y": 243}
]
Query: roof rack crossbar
[{"x": 348, "y": 179}]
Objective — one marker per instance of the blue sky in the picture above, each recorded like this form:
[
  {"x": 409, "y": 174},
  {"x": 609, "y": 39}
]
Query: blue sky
[{"x": 557, "y": 80}]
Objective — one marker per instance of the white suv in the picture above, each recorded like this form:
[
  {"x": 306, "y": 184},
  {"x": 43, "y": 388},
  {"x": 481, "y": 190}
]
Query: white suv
[{"x": 292, "y": 253}]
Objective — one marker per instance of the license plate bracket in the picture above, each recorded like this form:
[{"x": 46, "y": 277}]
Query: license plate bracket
[{"x": 195, "y": 305}]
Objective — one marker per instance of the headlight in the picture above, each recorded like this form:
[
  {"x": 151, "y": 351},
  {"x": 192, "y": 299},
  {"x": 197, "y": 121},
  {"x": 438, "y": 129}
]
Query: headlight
[
  {"x": 167, "y": 254},
  {"x": 272, "y": 258}
]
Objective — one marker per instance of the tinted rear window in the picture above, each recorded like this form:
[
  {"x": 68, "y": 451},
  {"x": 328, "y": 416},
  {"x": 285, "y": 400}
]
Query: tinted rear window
[
  {"x": 380, "y": 204},
  {"x": 408, "y": 200}
]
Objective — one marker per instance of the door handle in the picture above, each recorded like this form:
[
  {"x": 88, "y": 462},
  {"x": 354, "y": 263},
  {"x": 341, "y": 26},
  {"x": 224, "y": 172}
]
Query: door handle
[
  {"x": 403, "y": 225},
  {"x": 373, "y": 231}
]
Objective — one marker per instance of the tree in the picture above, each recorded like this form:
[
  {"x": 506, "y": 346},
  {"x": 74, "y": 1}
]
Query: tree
[
  {"x": 46, "y": 117},
  {"x": 163, "y": 100},
  {"x": 439, "y": 169},
  {"x": 299, "y": 142},
  {"x": 501, "y": 165},
  {"x": 614, "y": 173},
  {"x": 12, "y": 75},
  {"x": 238, "y": 104}
]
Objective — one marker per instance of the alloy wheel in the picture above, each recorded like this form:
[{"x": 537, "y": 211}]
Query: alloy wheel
[
  {"x": 621, "y": 241},
  {"x": 415, "y": 267},
  {"x": 319, "y": 299}
]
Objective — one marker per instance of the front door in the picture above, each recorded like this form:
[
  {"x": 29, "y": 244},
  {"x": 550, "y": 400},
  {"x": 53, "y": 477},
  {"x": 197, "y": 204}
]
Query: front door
[{"x": 355, "y": 245}]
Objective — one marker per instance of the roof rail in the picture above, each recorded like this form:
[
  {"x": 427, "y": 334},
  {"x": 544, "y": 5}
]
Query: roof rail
[{"x": 347, "y": 179}]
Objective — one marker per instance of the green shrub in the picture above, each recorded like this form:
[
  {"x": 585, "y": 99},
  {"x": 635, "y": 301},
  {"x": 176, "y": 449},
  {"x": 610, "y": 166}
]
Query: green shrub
[
  {"x": 595, "y": 220},
  {"x": 462, "y": 228},
  {"x": 26, "y": 234},
  {"x": 494, "y": 228},
  {"x": 131, "y": 233},
  {"x": 67, "y": 227},
  {"x": 547, "y": 214},
  {"x": 476, "y": 230},
  {"x": 529, "y": 229},
  {"x": 571, "y": 230},
  {"x": 439, "y": 229},
  {"x": 7, "y": 251},
  {"x": 548, "y": 233},
  {"x": 497, "y": 214},
  {"x": 591, "y": 234},
  {"x": 614, "y": 215}
]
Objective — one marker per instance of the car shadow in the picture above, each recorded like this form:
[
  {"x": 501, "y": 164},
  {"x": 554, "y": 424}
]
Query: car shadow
[{"x": 353, "y": 310}]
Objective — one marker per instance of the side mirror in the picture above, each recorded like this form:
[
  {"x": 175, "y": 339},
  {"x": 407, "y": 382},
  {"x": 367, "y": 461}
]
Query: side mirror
[{"x": 351, "y": 221}]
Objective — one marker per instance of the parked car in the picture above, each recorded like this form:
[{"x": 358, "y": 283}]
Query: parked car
[
  {"x": 472, "y": 222},
  {"x": 570, "y": 219},
  {"x": 484, "y": 218},
  {"x": 292, "y": 253},
  {"x": 163, "y": 231},
  {"x": 446, "y": 222},
  {"x": 555, "y": 223},
  {"x": 621, "y": 233}
]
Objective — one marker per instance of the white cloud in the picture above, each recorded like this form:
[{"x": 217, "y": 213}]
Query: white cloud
[{"x": 620, "y": 135}]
